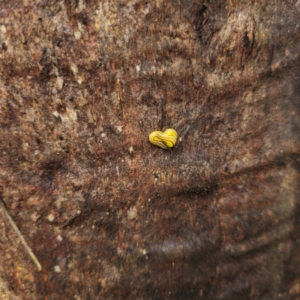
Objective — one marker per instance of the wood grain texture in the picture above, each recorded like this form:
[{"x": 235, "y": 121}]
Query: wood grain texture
[{"x": 109, "y": 216}]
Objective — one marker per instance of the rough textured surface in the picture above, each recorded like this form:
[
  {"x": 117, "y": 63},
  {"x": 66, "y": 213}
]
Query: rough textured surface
[{"x": 108, "y": 215}]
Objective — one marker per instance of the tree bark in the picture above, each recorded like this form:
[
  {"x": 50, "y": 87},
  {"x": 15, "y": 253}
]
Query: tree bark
[{"x": 110, "y": 216}]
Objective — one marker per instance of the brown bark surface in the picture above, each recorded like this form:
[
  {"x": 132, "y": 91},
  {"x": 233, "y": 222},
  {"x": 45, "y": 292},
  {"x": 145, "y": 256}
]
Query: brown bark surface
[{"x": 107, "y": 214}]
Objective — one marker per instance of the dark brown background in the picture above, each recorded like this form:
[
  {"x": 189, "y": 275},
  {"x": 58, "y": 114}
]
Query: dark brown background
[{"x": 108, "y": 215}]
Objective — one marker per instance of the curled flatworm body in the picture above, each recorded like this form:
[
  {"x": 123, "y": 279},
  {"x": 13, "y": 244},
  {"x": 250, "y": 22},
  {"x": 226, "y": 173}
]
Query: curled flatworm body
[{"x": 165, "y": 140}]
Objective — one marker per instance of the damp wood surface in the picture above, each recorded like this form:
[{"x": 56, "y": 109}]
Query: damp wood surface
[{"x": 110, "y": 216}]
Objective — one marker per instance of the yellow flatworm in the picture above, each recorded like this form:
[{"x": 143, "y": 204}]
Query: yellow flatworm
[{"x": 164, "y": 140}]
